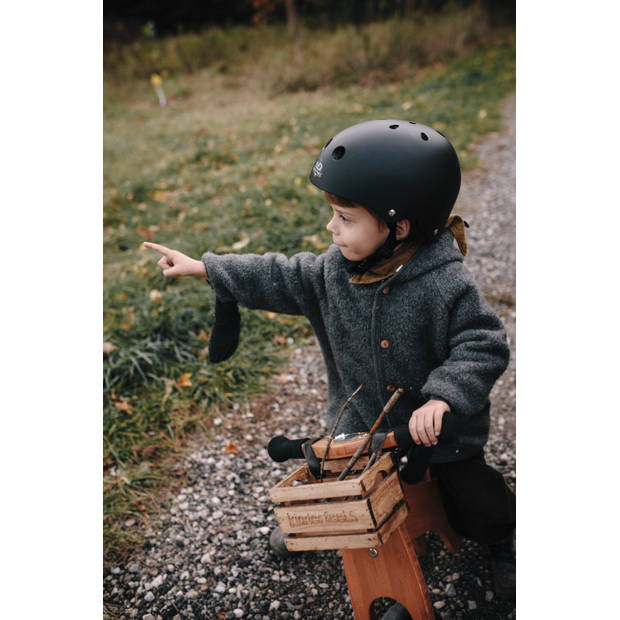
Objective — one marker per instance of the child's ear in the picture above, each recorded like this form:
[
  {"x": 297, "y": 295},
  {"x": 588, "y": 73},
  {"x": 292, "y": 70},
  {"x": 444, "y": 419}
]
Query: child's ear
[{"x": 403, "y": 227}]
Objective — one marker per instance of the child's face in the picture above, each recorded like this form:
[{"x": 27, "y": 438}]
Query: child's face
[{"x": 356, "y": 231}]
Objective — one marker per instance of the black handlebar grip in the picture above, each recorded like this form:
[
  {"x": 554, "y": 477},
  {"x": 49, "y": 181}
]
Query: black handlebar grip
[{"x": 282, "y": 448}]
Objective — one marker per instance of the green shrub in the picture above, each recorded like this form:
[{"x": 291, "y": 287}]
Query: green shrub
[{"x": 376, "y": 53}]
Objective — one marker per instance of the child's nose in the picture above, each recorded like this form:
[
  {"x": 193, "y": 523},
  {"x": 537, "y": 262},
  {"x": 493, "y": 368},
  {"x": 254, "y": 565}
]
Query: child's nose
[{"x": 330, "y": 226}]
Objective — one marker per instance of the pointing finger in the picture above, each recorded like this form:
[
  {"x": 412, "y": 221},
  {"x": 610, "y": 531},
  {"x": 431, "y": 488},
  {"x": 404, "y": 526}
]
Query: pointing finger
[{"x": 162, "y": 249}]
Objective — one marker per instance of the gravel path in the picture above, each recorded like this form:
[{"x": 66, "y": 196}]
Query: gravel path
[{"x": 209, "y": 556}]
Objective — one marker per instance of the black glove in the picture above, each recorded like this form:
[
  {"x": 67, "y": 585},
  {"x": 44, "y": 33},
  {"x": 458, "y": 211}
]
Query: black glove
[{"x": 225, "y": 332}]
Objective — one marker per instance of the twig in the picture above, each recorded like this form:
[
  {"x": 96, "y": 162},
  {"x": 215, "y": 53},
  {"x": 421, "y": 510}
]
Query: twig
[
  {"x": 390, "y": 403},
  {"x": 331, "y": 433},
  {"x": 373, "y": 458}
]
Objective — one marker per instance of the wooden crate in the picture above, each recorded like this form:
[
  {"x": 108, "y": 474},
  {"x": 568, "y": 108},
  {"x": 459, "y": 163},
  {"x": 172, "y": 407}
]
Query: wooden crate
[{"x": 360, "y": 511}]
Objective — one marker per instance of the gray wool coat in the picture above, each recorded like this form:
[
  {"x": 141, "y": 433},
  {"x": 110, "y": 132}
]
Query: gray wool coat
[{"x": 426, "y": 328}]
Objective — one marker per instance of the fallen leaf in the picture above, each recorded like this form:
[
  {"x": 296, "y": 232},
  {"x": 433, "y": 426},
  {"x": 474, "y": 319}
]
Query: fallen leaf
[
  {"x": 108, "y": 347},
  {"x": 148, "y": 451},
  {"x": 241, "y": 243},
  {"x": 315, "y": 240},
  {"x": 271, "y": 315},
  {"x": 159, "y": 196},
  {"x": 184, "y": 381},
  {"x": 155, "y": 296},
  {"x": 280, "y": 340},
  {"x": 122, "y": 405},
  {"x": 203, "y": 335},
  {"x": 203, "y": 354},
  {"x": 145, "y": 232},
  {"x": 231, "y": 448}
]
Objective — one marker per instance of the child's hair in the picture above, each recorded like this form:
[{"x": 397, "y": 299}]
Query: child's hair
[{"x": 334, "y": 199}]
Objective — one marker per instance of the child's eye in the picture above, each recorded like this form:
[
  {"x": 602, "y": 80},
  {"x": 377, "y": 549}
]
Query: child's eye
[{"x": 344, "y": 219}]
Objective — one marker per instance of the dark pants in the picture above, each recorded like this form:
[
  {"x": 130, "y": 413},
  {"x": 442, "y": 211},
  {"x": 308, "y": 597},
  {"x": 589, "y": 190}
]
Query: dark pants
[{"x": 478, "y": 503}]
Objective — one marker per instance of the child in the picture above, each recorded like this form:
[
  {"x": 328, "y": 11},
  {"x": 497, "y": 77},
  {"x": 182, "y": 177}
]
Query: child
[{"x": 392, "y": 305}]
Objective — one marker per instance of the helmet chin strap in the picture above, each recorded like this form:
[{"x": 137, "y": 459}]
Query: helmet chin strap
[{"x": 384, "y": 251}]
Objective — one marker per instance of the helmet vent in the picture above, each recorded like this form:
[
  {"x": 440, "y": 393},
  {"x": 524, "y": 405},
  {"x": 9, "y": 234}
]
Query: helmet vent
[
  {"x": 413, "y": 122},
  {"x": 393, "y": 126},
  {"x": 338, "y": 152},
  {"x": 424, "y": 136}
]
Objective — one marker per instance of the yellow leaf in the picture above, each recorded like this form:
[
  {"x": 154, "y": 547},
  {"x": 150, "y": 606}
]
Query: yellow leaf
[
  {"x": 155, "y": 80},
  {"x": 184, "y": 381},
  {"x": 407, "y": 105},
  {"x": 241, "y": 243},
  {"x": 155, "y": 296},
  {"x": 482, "y": 114}
]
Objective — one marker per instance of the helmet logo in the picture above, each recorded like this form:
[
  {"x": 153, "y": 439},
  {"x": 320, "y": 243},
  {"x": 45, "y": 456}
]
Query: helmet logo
[{"x": 317, "y": 169}]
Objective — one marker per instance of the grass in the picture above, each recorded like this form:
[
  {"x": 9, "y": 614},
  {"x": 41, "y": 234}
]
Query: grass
[{"x": 223, "y": 167}]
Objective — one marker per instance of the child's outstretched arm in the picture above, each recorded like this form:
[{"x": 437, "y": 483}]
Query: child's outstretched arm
[{"x": 175, "y": 263}]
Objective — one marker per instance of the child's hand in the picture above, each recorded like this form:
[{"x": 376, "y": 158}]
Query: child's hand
[
  {"x": 425, "y": 422},
  {"x": 175, "y": 263}
]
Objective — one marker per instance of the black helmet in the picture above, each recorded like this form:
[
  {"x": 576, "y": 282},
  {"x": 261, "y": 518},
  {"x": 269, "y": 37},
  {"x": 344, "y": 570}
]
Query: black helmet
[{"x": 398, "y": 169}]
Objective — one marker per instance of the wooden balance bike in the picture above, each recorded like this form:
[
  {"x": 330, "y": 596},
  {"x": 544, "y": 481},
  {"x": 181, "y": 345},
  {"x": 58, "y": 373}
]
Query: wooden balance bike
[{"x": 354, "y": 500}]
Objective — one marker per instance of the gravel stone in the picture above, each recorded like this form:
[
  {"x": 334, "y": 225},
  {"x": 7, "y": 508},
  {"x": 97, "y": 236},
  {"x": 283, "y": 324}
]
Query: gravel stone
[{"x": 212, "y": 543}]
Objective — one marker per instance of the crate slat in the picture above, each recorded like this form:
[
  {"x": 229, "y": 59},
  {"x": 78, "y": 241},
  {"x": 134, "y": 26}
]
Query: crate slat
[
  {"x": 386, "y": 497},
  {"x": 322, "y": 517},
  {"x": 349, "y": 540},
  {"x": 312, "y": 490}
]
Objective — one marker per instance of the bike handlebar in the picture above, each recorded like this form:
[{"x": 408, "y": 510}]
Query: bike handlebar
[{"x": 282, "y": 448}]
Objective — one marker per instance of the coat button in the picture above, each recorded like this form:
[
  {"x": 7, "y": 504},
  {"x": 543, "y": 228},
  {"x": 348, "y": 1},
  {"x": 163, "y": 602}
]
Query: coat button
[
  {"x": 386, "y": 290},
  {"x": 385, "y": 344},
  {"x": 391, "y": 388}
]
